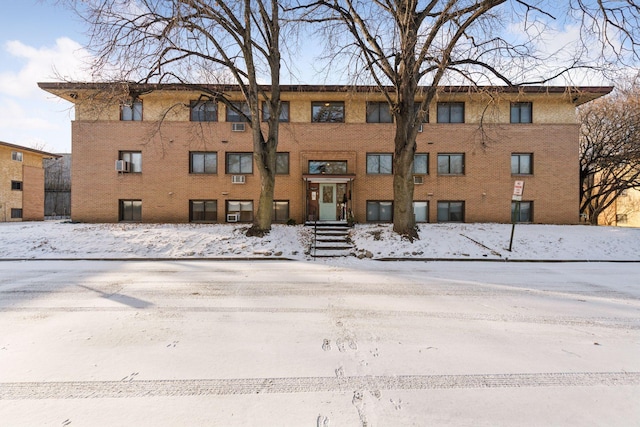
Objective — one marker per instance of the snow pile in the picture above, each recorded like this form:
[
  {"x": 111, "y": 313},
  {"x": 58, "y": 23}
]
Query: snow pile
[{"x": 60, "y": 239}]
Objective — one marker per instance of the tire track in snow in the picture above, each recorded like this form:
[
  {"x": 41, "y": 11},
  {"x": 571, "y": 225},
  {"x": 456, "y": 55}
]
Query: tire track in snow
[
  {"x": 601, "y": 322},
  {"x": 221, "y": 387}
]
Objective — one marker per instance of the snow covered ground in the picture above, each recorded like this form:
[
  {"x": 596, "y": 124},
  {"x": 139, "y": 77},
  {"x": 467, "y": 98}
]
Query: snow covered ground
[
  {"x": 303, "y": 343},
  {"x": 59, "y": 239},
  {"x": 159, "y": 336}
]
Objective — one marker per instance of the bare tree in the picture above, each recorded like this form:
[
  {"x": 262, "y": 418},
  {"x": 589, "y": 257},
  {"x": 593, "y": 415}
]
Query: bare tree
[
  {"x": 408, "y": 48},
  {"x": 199, "y": 42},
  {"x": 609, "y": 151}
]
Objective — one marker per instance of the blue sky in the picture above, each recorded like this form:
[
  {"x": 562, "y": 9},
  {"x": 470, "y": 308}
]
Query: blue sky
[{"x": 35, "y": 39}]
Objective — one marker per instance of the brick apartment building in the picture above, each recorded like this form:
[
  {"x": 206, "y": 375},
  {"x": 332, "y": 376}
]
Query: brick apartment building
[
  {"x": 22, "y": 176},
  {"x": 168, "y": 154}
]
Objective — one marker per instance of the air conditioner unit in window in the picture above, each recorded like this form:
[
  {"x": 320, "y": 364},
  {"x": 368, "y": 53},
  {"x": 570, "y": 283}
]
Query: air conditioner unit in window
[
  {"x": 122, "y": 166},
  {"x": 417, "y": 179},
  {"x": 237, "y": 127},
  {"x": 237, "y": 179},
  {"x": 233, "y": 217}
]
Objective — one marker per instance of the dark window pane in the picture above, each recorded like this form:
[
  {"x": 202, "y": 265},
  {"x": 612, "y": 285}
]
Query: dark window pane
[
  {"x": 284, "y": 111},
  {"x": 280, "y": 211},
  {"x": 421, "y": 164},
  {"x": 282, "y": 163},
  {"x": 327, "y": 167},
  {"x": 235, "y": 116},
  {"x": 204, "y": 111},
  {"x": 327, "y": 112}
]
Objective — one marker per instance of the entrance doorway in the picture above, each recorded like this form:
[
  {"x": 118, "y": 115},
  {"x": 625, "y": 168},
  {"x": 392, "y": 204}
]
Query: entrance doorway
[{"x": 327, "y": 202}]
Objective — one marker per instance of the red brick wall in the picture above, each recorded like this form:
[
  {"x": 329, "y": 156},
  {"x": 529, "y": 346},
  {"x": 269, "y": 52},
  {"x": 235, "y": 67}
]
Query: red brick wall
[{"x": 165, "y": 186}]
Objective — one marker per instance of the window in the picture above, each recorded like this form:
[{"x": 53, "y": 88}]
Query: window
[
  {"x": 131, "y": 111},
  {"x": 203, "y": 210},
  {"x": 131, "y": 210},
  {"x": 421, "y": 164},
  {"x": 379, "y": 211},
  {"x": 327, "y": 167},
  {"x": 16, "y": 185},
  {"x": 379, "y": 112},
  {"x": 17, "y": 156},
  {"x": 521, "y": 211},
  {"x": 242, "y": 208},
  {"x": 204, "y": 111},
  {"x": 450, "y": 211},
  {"x": 16, "y": 213},
  {"x": 280, "y": 210},
  {"x": 450, "y": 164},
  {"x": 522, "y": 164},
  {"x": 203, "y": 162},
  {"x": 521, "y": 112},
  {"x": 421, "y": 211},
  {"x": 327, "y": 112},
  {"x": 282, "y": 163},
  {"x": 239, "y": 163},
  {"x": 621, "y": 218},
  {"x": 237, "y": 117},
  {"x": 450, "y": 112},
  {"x": 381, "y": 164},
  {"x": 134, "y": 158},
  {"x": 284, "y": 111}
]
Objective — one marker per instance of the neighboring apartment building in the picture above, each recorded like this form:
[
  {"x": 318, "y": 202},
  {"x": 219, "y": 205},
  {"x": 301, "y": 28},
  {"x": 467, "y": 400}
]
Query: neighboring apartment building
[
  {"x": 180, "y": 157},
  {"x": 22, "y": 189},
  {"x": 625, "y": 210}
]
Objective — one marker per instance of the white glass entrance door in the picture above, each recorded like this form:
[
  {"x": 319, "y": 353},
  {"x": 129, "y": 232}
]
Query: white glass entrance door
[{"x": 327, "y": 202}]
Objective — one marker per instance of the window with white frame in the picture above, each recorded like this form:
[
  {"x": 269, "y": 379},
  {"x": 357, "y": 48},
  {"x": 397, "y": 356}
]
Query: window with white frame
[{"x": 16, "y": 155}]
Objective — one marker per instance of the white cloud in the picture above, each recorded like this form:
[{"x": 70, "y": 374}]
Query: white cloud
[
  {"x": 29, "y": 115},
  {"x": 66, "y": 58}
]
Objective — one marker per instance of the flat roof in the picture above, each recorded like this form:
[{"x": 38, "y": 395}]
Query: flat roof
[
  {"x": 582, "y": 93},
  {"x": 32, "y": 150}
]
